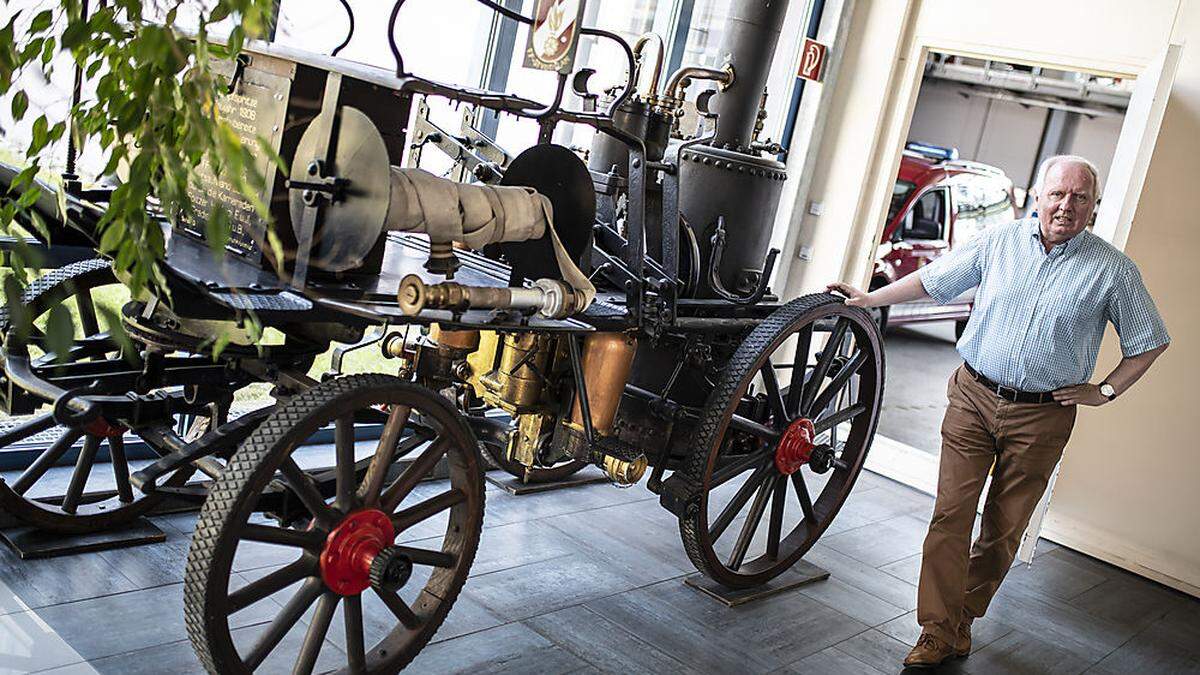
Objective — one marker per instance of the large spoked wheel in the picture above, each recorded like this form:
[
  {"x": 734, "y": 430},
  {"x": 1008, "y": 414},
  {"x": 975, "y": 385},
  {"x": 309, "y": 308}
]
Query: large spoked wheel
[
  {"x": 377, "y": 543},
  {"x": 782, "y": 439},
  {"x": 98, "y": 495}
]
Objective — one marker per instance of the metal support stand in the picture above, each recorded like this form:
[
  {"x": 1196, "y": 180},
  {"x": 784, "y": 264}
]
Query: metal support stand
[
  {"x": 29, "y": 542},
  {"x": 801, "y": 574},
  {"x": 514, "y": 486}
]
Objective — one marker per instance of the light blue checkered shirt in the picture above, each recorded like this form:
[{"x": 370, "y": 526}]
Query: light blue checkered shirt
[{"x": 1039, "y": 317}]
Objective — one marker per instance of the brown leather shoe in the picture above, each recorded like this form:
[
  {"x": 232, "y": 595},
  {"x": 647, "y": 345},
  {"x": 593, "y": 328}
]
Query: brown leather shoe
[
  {"x": 962, "y": 643},
  {"x": 929, "y": 652}
]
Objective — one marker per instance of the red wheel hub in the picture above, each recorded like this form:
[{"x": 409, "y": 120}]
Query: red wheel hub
[
  {"x": 795, "y": 446},
  {"x": 351, "y": 547},
  {"x": 103, "y": 428}
]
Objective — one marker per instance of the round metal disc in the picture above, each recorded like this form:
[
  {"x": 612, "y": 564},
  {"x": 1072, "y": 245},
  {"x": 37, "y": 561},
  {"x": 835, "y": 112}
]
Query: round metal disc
[
  {"x": 349, "y": 227},
  {"x": 559, "y": 174}
]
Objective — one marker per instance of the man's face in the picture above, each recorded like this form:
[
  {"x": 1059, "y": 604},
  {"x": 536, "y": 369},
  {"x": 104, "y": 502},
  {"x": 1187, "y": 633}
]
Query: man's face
[{"x": 1066, "y": 201}]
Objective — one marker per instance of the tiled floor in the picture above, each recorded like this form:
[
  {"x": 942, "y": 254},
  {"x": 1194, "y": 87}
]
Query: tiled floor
[{"x": 590, "y": 580}]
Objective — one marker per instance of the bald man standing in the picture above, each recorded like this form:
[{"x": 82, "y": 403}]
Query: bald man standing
[{"x": 1046, "y": 290}]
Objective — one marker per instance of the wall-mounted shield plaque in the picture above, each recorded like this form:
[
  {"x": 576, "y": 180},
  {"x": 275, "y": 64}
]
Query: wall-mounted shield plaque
[{"x": 554, "y": 35}]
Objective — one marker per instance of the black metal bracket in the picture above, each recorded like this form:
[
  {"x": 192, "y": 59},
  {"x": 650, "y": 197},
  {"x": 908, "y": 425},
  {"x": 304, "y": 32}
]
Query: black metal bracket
[{"x": 714, "y": 270}]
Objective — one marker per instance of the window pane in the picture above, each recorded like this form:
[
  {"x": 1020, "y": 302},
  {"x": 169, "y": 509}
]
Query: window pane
[
  {"x": 452, "y": 53},
  {"x": 627, "y": 19}
]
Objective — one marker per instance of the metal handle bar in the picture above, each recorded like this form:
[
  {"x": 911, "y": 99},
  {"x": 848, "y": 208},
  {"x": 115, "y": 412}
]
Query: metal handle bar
[
  {"x": 631, "y": 63},
  {"x": 71, "y": 407}
]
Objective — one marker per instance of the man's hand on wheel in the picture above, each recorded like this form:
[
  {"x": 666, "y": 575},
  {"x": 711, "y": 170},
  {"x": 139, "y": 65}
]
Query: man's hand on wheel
[
  {"x": 854, "y": 297},
  {"x": 1080, "y": 394}
]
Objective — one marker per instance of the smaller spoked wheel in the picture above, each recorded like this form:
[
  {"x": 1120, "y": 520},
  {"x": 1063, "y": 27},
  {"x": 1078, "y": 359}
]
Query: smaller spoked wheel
[
  {"x": 359, "y": 564},
  {"x": 97, "y": 494},
  {"x": 782, "y": 439}
]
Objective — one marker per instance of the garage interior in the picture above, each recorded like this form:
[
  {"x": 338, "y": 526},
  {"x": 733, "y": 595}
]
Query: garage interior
[{"x": 589, "y": 578}]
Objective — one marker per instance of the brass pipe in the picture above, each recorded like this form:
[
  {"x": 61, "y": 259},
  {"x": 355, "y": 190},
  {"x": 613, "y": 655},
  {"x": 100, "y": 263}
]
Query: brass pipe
[
  {"x": 681, "y": 78},
  {"x": 459, "y": 340},
  {"x": 607, "y": 361},
  {"x": 641, "y": 43}
]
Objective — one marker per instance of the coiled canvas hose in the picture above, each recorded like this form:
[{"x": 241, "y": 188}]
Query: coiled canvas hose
[{"x": 477, "y": 215}]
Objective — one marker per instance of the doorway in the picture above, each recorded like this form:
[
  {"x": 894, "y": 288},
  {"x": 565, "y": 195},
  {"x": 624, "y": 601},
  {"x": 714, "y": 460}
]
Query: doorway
[{"x": 979, "y": 131}]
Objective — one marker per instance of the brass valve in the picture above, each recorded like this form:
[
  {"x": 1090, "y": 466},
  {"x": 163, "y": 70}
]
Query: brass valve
[{"x": 551, "y": 298}]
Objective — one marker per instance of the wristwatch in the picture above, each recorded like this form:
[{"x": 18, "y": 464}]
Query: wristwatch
[{"x": 1107, "y": 391}]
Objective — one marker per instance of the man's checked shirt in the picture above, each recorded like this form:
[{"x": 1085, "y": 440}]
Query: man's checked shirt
[{"x": 1039, "y": 317}]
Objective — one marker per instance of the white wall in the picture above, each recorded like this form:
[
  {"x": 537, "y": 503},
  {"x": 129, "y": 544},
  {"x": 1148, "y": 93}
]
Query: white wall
[{"x": 1128, "y": 489}]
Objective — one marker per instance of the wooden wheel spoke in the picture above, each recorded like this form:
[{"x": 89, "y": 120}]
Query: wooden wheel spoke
[
  {"x": 828, "y": 353},
  {"x": 306, "y": 490},
  {"x": 79, "y": 477},
  {"x": 44, "y": 461},
  {"x": 736, "y": 467},
  {"x": 311, "y": 540},
  {"x": 87, "y": 312},
  {"x": 314, "y": 637},
  {"x": 774, "y": 397},
  {"x": 399, "y": 608},
  {"x": 283, "y": 622},
  {"x": 120, "y": 467},
  {"x": 799, "y": 367},
  {"x": 271, "y": 583},
  {"x": 739, "y": 500},
  {"x": 416, "y": 513},
  {"x": 26, "y": 429},
  {"x": 756, "y": 429},
  {"x": 421, "y": 466},
  {"x": 826, "y": 423},
  {"x": 775, "y": 525},
  {"x": 356, "y": 650},
  {"x": 805, "y": 501},
  {"x": 738, "y": 555},
  {"x": 385, "y": 453},
  {"x": 839, "y": 382},
  {"x": 343, "y": 443},
  {"x": 423, "y": 556}
]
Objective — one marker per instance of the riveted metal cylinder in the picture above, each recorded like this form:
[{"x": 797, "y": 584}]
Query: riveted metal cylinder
[{"x": 745, "y": 189}]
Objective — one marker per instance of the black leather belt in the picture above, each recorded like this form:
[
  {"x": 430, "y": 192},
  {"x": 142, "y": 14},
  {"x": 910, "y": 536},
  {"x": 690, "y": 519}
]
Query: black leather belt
[{"x": 1008, "y": 393}]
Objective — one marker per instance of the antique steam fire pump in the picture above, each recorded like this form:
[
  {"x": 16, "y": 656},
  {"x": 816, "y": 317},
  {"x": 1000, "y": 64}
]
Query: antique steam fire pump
[{"x": 554, "y": 313}]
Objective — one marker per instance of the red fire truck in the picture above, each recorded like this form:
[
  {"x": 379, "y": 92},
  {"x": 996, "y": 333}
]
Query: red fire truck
[{"x": 938, "y": 202}]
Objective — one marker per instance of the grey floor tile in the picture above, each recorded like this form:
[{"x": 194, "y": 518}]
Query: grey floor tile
[
  {"x": 907, "y": 569},
  {"x": 707, "y": 635},
  {"x": 1020, "y": 652},
  {"x": 51, "y": 581},
  {"x": 154, "y": 564},
  {"x": 602, "y": 643},
  {"x": 985, "y": 630},
  {"x": 876, "y": 649},
  {"x": 641, "y": 538},
  {"x": 852, "y": 601},
  {"x": 1059, "y": 622},
  {"x": 1181, "y": 625},
  {"x": 126, "y": 622},
  {"x": 28, "y": 644},
  {"x": 537, "y": 588},
  {"x": 883, "y": 502},
  {"x": 1055, "y": 577},
  {"x": 1128, "y": 601},
  {"x": 864, "y": 577},
  {"x": 1154, "y": 650},
  {"x": 512, "y": 648},
  {"x": 504, "y": 508},
  {"x": 882, "y": 542},
  {"x": 831, "y": 661}
]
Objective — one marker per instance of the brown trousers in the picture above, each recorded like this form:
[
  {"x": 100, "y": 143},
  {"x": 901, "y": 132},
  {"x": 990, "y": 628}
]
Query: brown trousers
[{"x": 1021, "y": 443}]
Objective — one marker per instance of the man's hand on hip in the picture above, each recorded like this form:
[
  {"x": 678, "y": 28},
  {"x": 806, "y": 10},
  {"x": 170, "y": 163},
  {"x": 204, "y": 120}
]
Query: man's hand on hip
[{"x": 1080, "y": 394}]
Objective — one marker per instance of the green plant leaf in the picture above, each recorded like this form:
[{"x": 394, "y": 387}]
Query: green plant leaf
[
  {"x": 60, "y": 332},
  {"x": 20, "y": 103}
]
